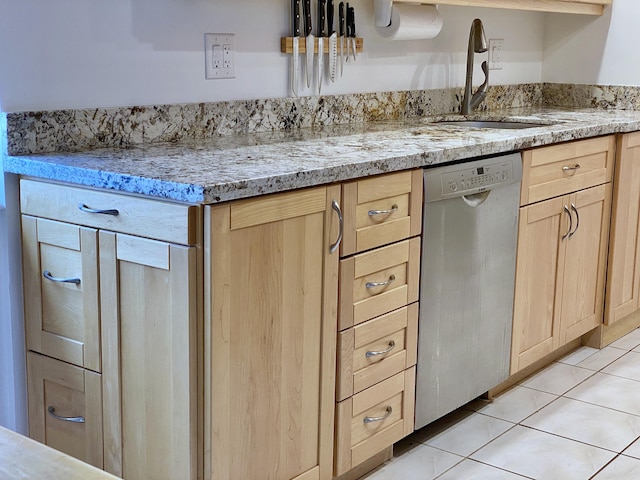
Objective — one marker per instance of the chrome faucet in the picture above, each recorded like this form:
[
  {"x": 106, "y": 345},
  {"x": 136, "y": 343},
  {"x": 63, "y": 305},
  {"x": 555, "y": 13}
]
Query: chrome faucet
[{"x": 477, "y": 44}]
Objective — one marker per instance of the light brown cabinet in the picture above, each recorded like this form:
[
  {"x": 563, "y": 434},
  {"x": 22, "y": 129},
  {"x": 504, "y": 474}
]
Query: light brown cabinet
[
  {"x": 125, "y": 309},
  {"x": 271, "y": 283},
  {"x": 588, "y": 7},
  {"x": 623, "y": 277},
  {"x": 562, "y": 248}
]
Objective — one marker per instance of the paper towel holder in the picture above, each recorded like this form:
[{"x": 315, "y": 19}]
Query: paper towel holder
[{"x": 382, "y": 12}]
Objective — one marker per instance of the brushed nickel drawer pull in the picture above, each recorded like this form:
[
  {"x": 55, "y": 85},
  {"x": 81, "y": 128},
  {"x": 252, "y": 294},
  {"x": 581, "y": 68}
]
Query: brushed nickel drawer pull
[
  {"x": 52, "y": 412},
  {"x": 84, "y": 208},
  {"x": 393, "y": 209},
  {"x": 392, "y": 345},
  {"x": 47, "y": 274},
  {"x": 566, "y": 210},
  {"x": 392, "y": 279},
  {"x": 378, "y": 419},
  {"x": 336, "y": 206},
  {"x": 571, "y": 169},
  {"x": 573, "y": 207}
]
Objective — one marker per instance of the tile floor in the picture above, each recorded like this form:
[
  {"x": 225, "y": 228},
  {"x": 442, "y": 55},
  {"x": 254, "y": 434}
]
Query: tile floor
[{"x": 577, "y": 419}]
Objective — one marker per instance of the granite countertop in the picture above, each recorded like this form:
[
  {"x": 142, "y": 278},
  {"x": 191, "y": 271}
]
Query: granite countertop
[{"x": 232, "y": 167}]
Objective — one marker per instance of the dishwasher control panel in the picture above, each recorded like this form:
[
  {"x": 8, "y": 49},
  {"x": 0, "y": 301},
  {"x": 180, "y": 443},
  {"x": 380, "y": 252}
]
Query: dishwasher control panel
[{"x": 472, "y": 177}]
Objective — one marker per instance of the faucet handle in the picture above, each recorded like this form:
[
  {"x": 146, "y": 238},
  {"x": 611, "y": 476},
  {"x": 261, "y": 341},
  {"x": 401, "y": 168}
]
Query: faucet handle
[{"x": 485, "y": 84}]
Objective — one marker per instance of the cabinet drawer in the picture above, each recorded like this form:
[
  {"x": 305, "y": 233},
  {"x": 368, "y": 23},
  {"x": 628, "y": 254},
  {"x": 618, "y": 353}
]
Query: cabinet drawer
[
  {"x": 65, "y": 408},
  {"x": 137, "y": 216},
  {"x": 60, "y": 268},
  {"x": 377, "y": 282},
  {"x": 375, "y": 350},
  {"x": 567, "y": 167},
  {"x": 381, "y": 210},
  {"x": 374, "y": 419}
]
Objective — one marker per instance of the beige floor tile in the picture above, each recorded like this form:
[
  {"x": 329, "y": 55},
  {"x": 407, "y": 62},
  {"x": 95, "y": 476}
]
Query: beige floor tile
[
  {"x": 584, "y": 422},
  {"x": 469, "y": 434},
  {"x": 543, "y": 456},
  {"x": 630, "y": 341},
  {"x": 633, "y": 450},
  {"x": 578, "y": 355},
  {"x": 557, "y": 378},
  {"x": 472, "y": 470},
  {"x": 515, "y": 404},
  {"x": 627, "y": 366},
  {"x": 420, "y": 463},
  {"x": 601, "y": 358},
  {"x": 621, "y": 468},
  {"x": 609, "y": 391}
]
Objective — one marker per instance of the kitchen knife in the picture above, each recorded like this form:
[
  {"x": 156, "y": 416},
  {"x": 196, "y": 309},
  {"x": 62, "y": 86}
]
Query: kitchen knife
[
  {"x": 347, "y": 30},
  {"x": 333, "y": 41},
  {"x": 320, "y": 36},
  {"x": 295, "y": 63},
  {"x": 351, "y": 20},
  {"x": 308, "y": 29},
  {"x": 342, "y": 34}
]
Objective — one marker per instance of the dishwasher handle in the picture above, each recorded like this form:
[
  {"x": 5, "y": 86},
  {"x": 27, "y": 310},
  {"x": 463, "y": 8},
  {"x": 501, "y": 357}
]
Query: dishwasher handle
[{"x": 476, "y": 199}]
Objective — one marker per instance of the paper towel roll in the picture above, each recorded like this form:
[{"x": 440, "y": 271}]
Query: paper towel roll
[{"x": 412, "y": 22}]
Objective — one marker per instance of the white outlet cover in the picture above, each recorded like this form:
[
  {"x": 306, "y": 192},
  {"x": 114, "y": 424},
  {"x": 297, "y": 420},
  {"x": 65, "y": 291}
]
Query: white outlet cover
[
  {"x": 496, "y": 52},
  {"x": 219, "y": 55}
]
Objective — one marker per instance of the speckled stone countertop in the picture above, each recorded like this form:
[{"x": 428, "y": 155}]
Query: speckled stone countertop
[{"x": 239, "y": 166}]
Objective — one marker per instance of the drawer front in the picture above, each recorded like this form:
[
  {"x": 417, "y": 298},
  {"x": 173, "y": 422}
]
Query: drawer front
[
  {"x": 378, "y": 282},
  {"x": 60, "y": 393},
  {"x": 137, "y": 216},
  {"x": 374, "y": 419},
  {"x": 375, "y": 350},
  {"x": 564, "y": 168},
  {"x": 381, "y": 210},
  {"x": 60, "y": 268}
]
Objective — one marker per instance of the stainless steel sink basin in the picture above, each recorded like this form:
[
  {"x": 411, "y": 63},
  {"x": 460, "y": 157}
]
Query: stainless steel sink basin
[{"x": 490, "y": 124}]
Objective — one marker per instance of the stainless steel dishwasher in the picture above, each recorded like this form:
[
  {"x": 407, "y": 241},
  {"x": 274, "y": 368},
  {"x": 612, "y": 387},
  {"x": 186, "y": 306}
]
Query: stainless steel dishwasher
[{"x": 468, "y": 273}]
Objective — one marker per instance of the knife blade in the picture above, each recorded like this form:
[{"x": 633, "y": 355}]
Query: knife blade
[
  {"x": 351, "y": 16},
  {"x": 308, "y": 32},
  {"x": 320, "y": 36},
  {"x": 333, "y": 41},
  {"x": 342, "y": 34},
  {"x": 295, "y": 66}
]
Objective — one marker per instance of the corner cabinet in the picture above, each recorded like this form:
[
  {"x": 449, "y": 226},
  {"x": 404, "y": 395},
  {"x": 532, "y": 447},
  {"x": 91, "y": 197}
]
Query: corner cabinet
[
  {"x": 271, "y": 283},
  {"x": 111, "y": 323},
  {"x": 562, "y": 246}
]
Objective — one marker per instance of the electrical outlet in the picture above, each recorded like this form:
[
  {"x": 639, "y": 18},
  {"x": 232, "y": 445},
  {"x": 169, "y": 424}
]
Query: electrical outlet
[
  {"x": 219, "y": 55},
  {"x": 496, "y": 46}
]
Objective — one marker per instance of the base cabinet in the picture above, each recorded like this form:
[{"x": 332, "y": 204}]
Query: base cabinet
[{"x": 270, "y": 342}]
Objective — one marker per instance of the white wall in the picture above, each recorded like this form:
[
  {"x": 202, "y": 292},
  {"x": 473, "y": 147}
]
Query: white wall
[
  {"x": 87, "y": 53},
  {"x": 601, "y": 50}
]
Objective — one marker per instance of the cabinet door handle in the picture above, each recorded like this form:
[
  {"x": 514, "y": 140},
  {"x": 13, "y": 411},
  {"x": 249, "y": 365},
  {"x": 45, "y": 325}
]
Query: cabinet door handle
[
  {"x": 47, "y": 274},
  {"x": 571, "y": 168},
  {"x": 378, "y": 419},
  {"x": 52, "y": 412},
  {"x": 573, "y": 207},
  {"x": 392, "y": 345},
  {"x": 336, "y": 206},
  {"x": 392, "y": 279},
  {"x": 566, "y": 210},
  {"x": 84, "y": 208},
  {"x": 393, "y": 209}
]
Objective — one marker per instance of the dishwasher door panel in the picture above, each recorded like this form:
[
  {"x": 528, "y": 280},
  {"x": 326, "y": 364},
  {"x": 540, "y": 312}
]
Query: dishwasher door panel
[{"x": 466, "y": 300}]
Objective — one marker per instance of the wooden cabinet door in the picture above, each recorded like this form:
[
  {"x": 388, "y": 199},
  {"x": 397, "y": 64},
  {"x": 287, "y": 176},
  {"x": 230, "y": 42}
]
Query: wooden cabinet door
[
  {"x": 65, "y": 407},
  {"x": 60, "y": 267},
  {"x": 270, "y": 333},
  {"x": 149, "y": 320},
  {"x": 539, "y": 265},
  {"x": 623, "y": 278},
  {"x": 585, "y": 262}
]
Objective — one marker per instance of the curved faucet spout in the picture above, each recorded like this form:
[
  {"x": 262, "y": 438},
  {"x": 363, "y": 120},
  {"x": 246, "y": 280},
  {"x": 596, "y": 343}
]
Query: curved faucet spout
[{"x": 477, "y": 44}]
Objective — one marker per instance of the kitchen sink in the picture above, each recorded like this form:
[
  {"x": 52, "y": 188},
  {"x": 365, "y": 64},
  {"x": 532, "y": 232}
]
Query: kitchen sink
[{"x": 490, "y": 124}]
